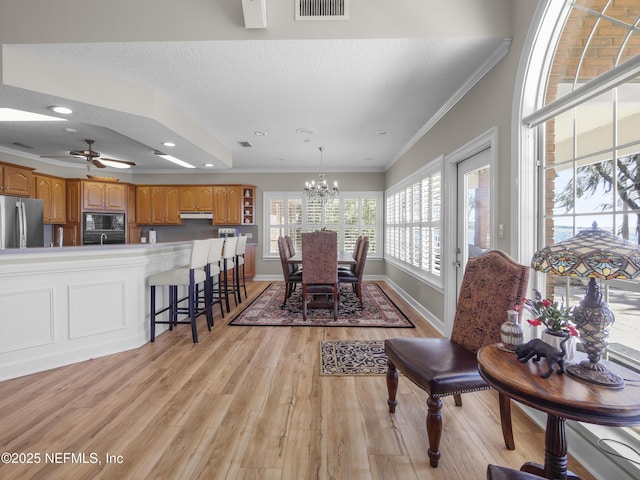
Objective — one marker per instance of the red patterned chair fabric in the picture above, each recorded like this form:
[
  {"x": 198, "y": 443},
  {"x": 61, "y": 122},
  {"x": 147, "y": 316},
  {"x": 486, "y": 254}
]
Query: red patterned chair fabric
[
  {"x": 493, "y": 283},
  {"x": 320, "y": 270}
]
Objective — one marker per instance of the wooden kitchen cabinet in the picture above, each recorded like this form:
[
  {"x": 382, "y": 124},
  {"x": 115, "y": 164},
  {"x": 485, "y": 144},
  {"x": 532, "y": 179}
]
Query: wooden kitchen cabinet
[
  {"x": 227, "y": 204},
  {"x": 53, "y": 192},
  {"x": 196, "y": 198},
  {"x": 157, "y": 205},
  {"x": 15, "y": 180},
  {"x": 74, "y": 205},
  {"x": 104, "y": 196},
  {"x": 250, "y": 261},
  {"x": 143, "y": 205}
]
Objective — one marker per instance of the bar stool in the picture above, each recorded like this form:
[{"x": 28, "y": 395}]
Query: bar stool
[
  {"x": 240, "y": 282},
  {"x": 212, "y": 269},
  {"x": 190, "y": 276},
  {"x": 228, "y": 266}
]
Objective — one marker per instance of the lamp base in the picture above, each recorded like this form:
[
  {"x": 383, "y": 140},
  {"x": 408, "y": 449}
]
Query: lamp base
[{"x": 595, "y": 373}]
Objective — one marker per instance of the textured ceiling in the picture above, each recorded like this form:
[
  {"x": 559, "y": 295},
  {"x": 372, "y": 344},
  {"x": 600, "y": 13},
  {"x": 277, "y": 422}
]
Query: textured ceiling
[{"x": 207, "y": 96}]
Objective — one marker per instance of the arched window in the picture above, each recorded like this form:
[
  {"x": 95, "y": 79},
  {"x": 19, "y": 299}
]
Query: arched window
[
  {"x": 590, "y": 123},
  {"x": 587, "y": 126}
]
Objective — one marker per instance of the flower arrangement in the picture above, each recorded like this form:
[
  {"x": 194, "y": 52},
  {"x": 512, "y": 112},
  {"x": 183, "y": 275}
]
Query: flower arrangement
[{"x": 553, "y": 315}]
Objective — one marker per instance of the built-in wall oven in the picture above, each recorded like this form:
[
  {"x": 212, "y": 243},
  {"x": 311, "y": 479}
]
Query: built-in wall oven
[{"x": 103, "y": 228}]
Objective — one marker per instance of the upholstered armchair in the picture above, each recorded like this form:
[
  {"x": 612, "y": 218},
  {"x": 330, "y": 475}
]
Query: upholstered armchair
[{"x": 493, "y": 283}]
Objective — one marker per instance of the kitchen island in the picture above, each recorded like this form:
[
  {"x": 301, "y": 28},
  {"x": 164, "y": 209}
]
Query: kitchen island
[{"x": 64, "y": 305}]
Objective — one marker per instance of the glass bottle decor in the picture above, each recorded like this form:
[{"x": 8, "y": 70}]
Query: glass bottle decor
[{"x": 511, "y": 332}]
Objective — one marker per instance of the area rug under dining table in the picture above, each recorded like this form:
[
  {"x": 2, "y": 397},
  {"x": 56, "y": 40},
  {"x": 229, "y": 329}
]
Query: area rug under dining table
[{"x": 378, "y": 310}]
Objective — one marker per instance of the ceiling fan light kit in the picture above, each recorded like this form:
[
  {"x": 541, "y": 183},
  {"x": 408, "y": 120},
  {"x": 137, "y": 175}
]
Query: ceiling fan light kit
[{"x": 93, "y": 158}]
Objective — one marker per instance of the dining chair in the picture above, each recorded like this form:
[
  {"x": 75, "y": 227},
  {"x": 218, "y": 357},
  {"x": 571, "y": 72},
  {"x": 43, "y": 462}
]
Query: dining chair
[
  {"x": 320, "y": 271},
  {"x": 292, "y": 275},
  {"x": 356, "y": 249},
  {"x": 354, "y": 275},
  {"x": 493, "y": 283},
  {"x": 191, "y": 277},
  {"x": 290, "y": 244}
]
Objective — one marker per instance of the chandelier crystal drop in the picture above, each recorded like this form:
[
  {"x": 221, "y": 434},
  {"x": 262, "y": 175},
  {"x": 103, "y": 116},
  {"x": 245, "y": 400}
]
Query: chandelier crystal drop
[{"x": 320, "y": 191}]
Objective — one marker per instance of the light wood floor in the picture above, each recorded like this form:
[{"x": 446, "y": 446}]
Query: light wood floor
[{"x": 246, "y": 403}]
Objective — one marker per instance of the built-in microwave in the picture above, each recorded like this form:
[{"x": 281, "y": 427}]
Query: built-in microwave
[{"x": 103, "y": 228}]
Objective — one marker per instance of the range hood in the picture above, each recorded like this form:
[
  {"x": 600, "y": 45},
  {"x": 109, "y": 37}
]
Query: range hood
[{"x": 197, "y": 215}]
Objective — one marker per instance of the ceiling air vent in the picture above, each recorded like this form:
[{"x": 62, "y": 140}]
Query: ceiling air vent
[
  {"x": 322, "y": 9},
  {"x": 245, "y": 144}
]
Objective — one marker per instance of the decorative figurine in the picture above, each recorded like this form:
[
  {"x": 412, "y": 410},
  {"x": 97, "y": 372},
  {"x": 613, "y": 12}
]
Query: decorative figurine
[{"x": 536, "y": 349}]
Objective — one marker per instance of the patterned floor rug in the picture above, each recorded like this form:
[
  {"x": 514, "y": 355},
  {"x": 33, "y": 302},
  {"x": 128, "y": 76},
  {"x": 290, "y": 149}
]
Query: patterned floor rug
[
  {"x": 378, "y": 310},
  {"x": 353, "y": 357}
]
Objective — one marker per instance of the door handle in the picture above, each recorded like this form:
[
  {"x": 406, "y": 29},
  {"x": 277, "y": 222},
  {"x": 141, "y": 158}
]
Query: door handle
[{"x": 457, "y": 264}]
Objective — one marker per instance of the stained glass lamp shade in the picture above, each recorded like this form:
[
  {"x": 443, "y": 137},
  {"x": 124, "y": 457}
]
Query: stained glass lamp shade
[{"x": 593, "y": 253}]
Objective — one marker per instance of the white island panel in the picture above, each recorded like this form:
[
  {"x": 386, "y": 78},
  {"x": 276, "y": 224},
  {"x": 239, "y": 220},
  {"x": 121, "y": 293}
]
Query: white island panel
[
  {"x": 27, "y": 319},
  {"x": 64, "y": 305}
]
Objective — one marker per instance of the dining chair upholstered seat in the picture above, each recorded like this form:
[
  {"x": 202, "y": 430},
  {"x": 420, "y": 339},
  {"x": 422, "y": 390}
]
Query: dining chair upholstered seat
[
  {"x": 493, "y": 283},
  {"x": 241, "y": 284},
  {"x": 495, "y": 472},
  {"x": 320, "y": 271},
  {"x": 354, "y": 276},
  {"x": 191, "y": 276},
  {"x": 292, "y": 276}
]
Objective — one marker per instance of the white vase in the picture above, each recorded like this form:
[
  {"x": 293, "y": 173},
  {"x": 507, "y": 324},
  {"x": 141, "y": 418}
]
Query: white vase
[{"x": 554, "y": 340}]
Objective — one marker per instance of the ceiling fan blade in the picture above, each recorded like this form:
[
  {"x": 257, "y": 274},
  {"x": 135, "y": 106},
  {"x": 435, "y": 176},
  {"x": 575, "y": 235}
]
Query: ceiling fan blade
[
  {"x": 59, "y": 156},
  {"x": 98, "y": 163},
  {"x": 118, "y": 161}
]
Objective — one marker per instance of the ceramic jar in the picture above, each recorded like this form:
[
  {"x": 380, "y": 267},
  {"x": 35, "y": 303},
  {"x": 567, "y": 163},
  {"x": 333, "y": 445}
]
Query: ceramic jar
[
  {"x": 511, "y": 332},
  {"x": 554, "y": 340}
]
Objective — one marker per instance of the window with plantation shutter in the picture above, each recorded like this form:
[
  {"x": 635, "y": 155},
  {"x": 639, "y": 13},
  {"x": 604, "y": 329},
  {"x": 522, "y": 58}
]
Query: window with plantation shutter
[
  {"x": 414, "y": 222},
  {"x": 351, "y": 214}
]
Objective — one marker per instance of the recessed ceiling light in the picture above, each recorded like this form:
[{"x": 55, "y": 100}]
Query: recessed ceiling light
[
  {"x": 260, "y": 134},
  {"x": 381, "y": 132},
  {"x": 208, "y": 165},
  {"x": 71, "y": 130},
  {"x": 168, "y": 144},
  {"x": 13, "y": 115},
  {"x": 306, "y": 131},
  {"x": 62, "y": 110}
]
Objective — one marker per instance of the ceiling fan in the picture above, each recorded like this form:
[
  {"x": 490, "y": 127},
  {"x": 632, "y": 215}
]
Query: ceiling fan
[{"x": 93, "y": 157}]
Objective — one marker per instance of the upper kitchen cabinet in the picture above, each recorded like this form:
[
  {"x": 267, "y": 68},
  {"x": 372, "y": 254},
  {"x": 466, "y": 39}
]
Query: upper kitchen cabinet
[
  {"x": 158, "y": 205},
  {"x": 228, "y": 201},
  {"x": 53, "y": 192},
  {"x": 196, "y": 198},
  {"x": 165, "y": 203},
  {"x": 15, "y": 180},
  {"x": 104, "y": 196}
]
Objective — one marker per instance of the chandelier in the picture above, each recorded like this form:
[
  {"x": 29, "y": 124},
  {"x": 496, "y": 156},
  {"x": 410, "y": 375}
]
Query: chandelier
[{"x": 320, "y": 191}]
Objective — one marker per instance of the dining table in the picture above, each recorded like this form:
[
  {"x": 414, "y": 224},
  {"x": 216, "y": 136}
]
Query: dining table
[{"x": 344, "y": 258}]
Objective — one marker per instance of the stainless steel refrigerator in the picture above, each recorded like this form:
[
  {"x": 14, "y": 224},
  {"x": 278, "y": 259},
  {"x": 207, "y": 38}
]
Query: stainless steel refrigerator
[{"x": 21, "y": 222}]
